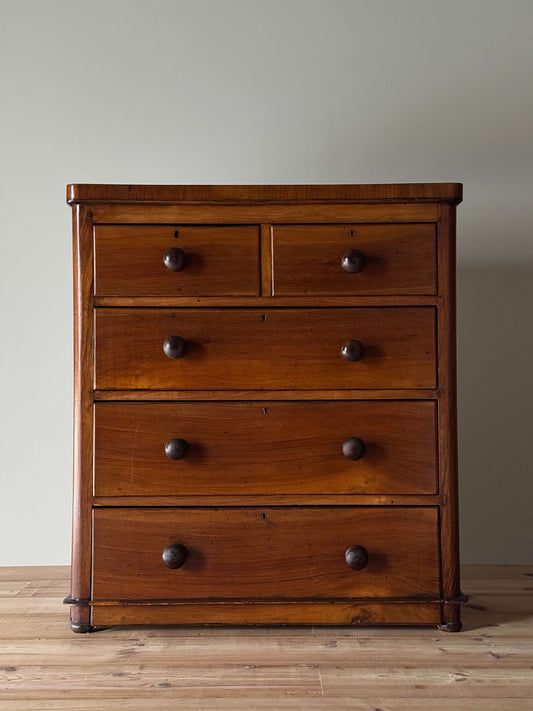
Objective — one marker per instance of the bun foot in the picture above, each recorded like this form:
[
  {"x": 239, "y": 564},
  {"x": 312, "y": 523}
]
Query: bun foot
[
  {"x": 451, "y": 627},
  {"x": 81, "y": 627}
]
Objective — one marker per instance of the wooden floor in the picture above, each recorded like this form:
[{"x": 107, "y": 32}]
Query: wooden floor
[{"x": 488, "y": 666}]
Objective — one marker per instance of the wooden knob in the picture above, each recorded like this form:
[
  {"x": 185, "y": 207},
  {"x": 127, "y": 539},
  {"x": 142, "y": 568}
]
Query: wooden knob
[
  {"x": 352, "y": 351},
  {"x": 175, "y": 259},
  {"x": 175, "y": 555},
  {"x": 175, "y": 347},
  {"x": 176, "y": 448},
  {"x": 356, "y": 557},
  {"x": 353, "y": 261},
  {"x": 353, "y": 448}
]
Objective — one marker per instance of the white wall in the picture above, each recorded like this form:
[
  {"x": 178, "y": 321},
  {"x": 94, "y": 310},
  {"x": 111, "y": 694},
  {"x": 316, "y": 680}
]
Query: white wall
[{"x": 267, "y": 91}]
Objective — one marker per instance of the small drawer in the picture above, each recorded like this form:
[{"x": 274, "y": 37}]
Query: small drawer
[
  {"x": 265, "y": 553},
  {"x": 361, "y": 260},
  {"x": 248, "y": 349},
  {"x": 255, "y": 448},
  {"x": 176, "y": 260}
]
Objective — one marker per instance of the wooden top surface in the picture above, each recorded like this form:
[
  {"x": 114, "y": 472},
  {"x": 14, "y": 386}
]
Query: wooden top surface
[{"x": 388, "y": 192}]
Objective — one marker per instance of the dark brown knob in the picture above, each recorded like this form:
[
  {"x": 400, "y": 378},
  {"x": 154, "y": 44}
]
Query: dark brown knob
[
  {"x": 175, "y": 259},
  {"x": 175, "y": 555},
  {"x": 353, "y": 448},
  {"x": 356, "y": 557},
  {"x": 352, "y": 351},
  {"x": 176, "y": 448},
  {"x": 175, "y": 347},
  {"x": 353, "y": 261}
]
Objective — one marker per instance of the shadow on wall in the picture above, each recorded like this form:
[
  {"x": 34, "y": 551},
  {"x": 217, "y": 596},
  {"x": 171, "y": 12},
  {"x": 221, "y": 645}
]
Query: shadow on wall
[{"x": 495, "y": 401}]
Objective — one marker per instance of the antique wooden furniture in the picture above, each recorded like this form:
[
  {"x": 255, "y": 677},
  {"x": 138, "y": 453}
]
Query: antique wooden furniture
[{"x": 265, "y": 428}]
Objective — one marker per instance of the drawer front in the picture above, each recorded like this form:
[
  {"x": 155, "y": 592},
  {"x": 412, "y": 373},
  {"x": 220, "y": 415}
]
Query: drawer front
[
  {"x": 398, "y": 259},
  {"x": 265, "y": 553},
  {"x": 157, "y": 449},
  {"x": 150, "y": 260},
  {"x": 221, "y": 349}
]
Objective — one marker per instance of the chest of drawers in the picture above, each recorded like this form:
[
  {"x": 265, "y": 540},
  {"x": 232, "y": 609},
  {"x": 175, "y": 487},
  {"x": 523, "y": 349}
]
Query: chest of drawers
[{"x": 264, "y": 405}]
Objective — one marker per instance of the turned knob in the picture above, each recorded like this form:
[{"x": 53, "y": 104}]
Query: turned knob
[
  {"x": 175, "y": 555},
  {"x": 356, "y": 557},
  {"x": 175, "y": 259},
  {"x": 175, "y": 347},
  {"x": 353, "y": 448},
  {"x": 176, "y": 448},
  {"x": 353, "y": 261},
  {"x": 352, "y": 351}
]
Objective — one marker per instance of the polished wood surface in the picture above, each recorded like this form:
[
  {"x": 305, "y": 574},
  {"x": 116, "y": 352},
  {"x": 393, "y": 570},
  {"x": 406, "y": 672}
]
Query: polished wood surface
[
  {"x": 261, "y": 213},
  {"x": 319, "y": 259},
  {"x": 447, "y": 433},
  {"x": 82, "y": 250},
  {"x": 264, "y": 300},
  {"x": 221, "y": 260},
  {"x": 434, "y": 192},
  {"x": 268, "y": 348},
  {"x": 236, "y": 337},
  {"x": 264, "y": 448},
  {"x": 303, "y": 612},
  {"x": 488, "y": 667},
  {"x": 223, "y": 395},
  {"x": 274, "y": 500},
  {"x": 277, "y": 553}
]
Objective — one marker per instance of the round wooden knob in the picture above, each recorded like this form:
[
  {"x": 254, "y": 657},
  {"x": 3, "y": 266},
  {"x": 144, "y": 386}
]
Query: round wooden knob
[
  {"x": 175, "y": 347},
  {"x": 176, "y": 448},
  {"x": 175, "y": 259},
  {"x": 353, "y": 448},
  {"x": 352, "y": 351},
  {"x": 356, "y": 557},
  {"x": 353, "y": 261},
  {"x": 175, "y": 555}
]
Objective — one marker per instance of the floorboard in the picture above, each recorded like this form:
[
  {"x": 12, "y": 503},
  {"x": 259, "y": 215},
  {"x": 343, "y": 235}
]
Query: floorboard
[{"x": 487, "y": 667}]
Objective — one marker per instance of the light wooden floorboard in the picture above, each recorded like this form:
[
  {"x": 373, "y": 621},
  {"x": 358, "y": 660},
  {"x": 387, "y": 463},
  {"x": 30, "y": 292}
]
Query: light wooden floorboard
[{"x": 487, "y": 667}]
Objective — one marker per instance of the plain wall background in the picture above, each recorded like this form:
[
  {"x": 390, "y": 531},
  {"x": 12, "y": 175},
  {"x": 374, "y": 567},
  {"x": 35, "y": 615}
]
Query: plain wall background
[{"x": 267, "y": 91}]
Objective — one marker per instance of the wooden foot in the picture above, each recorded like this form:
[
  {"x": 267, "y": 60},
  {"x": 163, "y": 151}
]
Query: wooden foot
[
  {"x": 81, "y": 627},
  {"x": 451, "y": 626}
]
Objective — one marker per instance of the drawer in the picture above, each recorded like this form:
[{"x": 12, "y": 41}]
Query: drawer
[
  {"x": 213, "y": 260},
  {"x": 398, "y": 259},
  {"x": 264, "y": 553},
  {"x": 265, "y": 448},
  {"x": 222, "y": 349}
]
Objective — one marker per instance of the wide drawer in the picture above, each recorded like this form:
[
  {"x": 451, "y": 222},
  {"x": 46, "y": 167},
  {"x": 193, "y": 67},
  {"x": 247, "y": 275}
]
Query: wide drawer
[
  {"x": 210, "y": 448},
  {"x": 264, "y": 553},
  {"x": 176, "y": 260},
  {"x": 383, "y": 259},
  {"x": 222, "y": 349}
]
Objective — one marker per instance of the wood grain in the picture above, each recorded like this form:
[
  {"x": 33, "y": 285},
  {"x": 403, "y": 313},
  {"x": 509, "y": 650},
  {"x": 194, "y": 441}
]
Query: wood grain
[
  {"x": 279, "y": 613},
  {"x": 264, "y": 448},
  {"x": 265, "y": 193},
  {"x": 447, "y": 410},
  {"x": 400, "y": 259},
  {"x": 221, "y": 260},
  {"x": 488, "y": 667},
  {"x": 261, "y": 349},
  {"x": 83, "y": 411},
  {"x": 273, "y": 500},
  {"x": 223, "y": 395},
  {"x": 263, "y": 553},
  {"x": 264, "y": 213},
  {"x": 269, "y": 301}
]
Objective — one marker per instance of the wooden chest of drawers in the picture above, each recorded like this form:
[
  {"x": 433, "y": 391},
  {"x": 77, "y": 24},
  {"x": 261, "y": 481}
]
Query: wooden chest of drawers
[{"x": 264, "y": 405}]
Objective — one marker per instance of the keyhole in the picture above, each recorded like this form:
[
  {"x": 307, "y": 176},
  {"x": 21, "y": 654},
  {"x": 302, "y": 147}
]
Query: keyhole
[
  {"x": 264, "y": 318},
  {"x": 263, "y": 517},
  {"x": 265, "y": 411},
  {"x": 352, "y": 233},
  {"x": 176, "y": 234}
]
